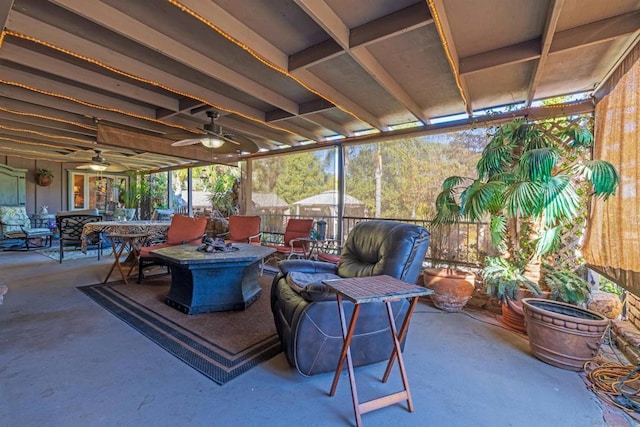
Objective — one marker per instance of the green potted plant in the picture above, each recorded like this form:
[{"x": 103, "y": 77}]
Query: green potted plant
[
  {"x": 44, "y": 177},
  {"x": 534, "y": 179},
  {"x": 129, "y": 196}
]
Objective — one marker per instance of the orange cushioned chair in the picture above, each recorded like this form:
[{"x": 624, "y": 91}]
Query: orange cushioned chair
[
  {"x": 243, "y": 229},
  {"x": 296, "y": 229},
  {"x": 183, "y": 230}
]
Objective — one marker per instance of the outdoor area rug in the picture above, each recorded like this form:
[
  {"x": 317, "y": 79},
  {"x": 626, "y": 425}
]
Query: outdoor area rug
[
  {"x": 71, "y": 253},
  {"x": 220, "y": 345}
]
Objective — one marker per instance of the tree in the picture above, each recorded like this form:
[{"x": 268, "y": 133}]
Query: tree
[{"x": 301, "y": 175}]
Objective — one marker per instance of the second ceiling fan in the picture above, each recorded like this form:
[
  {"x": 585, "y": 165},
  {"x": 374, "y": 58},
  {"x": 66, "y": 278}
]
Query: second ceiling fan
[
  {"x": 100, "y": 164},
  {"x": 219, "y": 141}
]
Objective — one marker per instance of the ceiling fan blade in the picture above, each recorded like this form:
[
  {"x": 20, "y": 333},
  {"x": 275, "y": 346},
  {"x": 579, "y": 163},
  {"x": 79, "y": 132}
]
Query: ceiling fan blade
[
  {"x": 228, "y": 139},
  {"x": 183, "y": 142}
]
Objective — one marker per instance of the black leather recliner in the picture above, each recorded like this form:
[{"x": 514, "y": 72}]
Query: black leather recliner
[{"x": 306, "y": 313}]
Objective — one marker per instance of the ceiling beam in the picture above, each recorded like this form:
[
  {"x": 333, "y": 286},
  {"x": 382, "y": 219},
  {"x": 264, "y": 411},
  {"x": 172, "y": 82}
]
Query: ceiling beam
[
  {"x": 597, "y": 32},
  {"x": 547, "y": 37},
  {"x": 521, "y": 52},
  {"x": 237, "y": 29},
  {"x": 449, "y": 46},
  {"x": 67, "y": 91},
  {"x": 396, "y": 23},
  {"x": 39, "y": 61},
  {"x": 407, "y": 19},
  {"x": 320, "y": 120},
  {"x": 17, "y": 120},
  {"x": 322, "y": 14},
  {"x": 123, "y": 24},
  {"x": 340, "y": 100},
  {"x": 270, "y": 53},
  {"x": 315, "y": 54},
  {"x": 43, "y": 31},
  {"x": 29, "y": 96},
  {"x": 27, "y": 110}
]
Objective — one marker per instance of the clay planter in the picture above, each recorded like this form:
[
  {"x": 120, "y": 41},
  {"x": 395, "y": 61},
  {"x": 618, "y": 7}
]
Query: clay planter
[
  {"x": 512, "y": 313},
  {"x": 452, "y": 288},
  {"x": 562, "y": 334}
]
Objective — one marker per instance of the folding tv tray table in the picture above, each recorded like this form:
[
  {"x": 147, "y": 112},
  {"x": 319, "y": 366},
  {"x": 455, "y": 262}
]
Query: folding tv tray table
[{"x": 362, "y": 290}]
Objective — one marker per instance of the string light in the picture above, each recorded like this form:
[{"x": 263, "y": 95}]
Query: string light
[
  {"x": 42, "y": 116},
  {"x": 142, "y": 80},
  {"x": 447, "y": 52},
  {"x": 48, "y": 135}
]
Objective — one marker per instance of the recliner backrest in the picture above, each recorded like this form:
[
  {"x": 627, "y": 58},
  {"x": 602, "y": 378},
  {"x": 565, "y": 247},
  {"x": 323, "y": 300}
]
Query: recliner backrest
[{"x": 379, "y": 247}]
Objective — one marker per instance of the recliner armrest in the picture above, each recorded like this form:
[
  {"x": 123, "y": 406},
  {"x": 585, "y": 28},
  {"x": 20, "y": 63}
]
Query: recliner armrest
[{"x": 306, "y": 266}]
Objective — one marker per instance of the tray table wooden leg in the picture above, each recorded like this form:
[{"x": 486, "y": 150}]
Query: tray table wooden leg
[{"x": 347, "y": 335}]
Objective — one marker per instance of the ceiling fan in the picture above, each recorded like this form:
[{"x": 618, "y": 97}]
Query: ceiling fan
[
  {"x": 216, "y": 139},
  {"x": 100, "y": 164}
]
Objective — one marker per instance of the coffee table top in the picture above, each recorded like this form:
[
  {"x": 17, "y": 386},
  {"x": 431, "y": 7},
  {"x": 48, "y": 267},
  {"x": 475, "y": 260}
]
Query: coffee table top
[{"x": 188, "y": 254}]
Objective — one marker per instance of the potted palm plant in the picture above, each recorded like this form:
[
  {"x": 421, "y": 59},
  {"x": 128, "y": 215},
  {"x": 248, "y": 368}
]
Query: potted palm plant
[{"x": 534, "y": 180}]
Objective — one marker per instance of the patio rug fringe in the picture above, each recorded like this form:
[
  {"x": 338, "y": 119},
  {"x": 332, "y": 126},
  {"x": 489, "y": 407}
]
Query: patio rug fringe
[{"x": 221, "y": 345}]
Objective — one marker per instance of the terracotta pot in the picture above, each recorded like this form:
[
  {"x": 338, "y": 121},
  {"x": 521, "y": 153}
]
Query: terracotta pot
[
  {"x": 562, "y": 334},
  {"x": 512, "y": 313},
  {"x": 452, "y": 288}
]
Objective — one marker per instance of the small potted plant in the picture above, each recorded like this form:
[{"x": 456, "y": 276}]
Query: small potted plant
[
  {"x": 452, "y": 287},
  {"x": 44, "y": 177}
]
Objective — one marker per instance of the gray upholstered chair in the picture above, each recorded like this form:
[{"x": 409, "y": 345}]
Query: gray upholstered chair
[{"x": 306, "y": 313}]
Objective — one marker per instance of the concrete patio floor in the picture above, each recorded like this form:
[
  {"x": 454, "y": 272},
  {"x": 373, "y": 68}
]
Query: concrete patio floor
[{"x": 65, "y": 361}]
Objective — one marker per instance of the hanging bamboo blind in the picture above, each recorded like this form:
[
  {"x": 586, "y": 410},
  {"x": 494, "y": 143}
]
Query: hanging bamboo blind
[{"x": 612, "y": 246}]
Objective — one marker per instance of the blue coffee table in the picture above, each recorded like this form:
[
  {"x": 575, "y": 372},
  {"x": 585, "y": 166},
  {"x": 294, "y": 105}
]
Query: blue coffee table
[{"x": 203, "y": 282}]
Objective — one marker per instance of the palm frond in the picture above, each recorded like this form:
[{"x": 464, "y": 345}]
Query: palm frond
[
  {"x": 523, "y": 199},
  {"x": 548, "y": 241},
  {"x": 452, "y": 182},
  {"x": 560, "y": 200},
  {"x": 577, "y": 136},
  {"x": 603, "y": 176},
  {"x": 447, "y": 209},
  {"x": 537, "y": 164},
  {"x": 479, "y": 197},
  {"x": 498, "y": 231},
  {"x": 496, "y": 158},
  {"x": 536, "y": 139}
]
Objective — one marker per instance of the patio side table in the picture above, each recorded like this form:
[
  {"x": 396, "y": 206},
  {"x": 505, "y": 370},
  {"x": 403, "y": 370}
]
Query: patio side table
[
  {"x": 134, "y": 241},
  {"x": 362, "y": 290}
]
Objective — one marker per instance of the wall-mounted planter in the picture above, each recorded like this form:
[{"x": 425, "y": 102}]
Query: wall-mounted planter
[{"x": 44, "y": 178}]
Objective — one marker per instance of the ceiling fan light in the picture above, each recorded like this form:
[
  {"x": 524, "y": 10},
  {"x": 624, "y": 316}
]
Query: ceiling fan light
[
  {"x": 97, "y": 168},
  {"x": 212, "y": 142}
]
